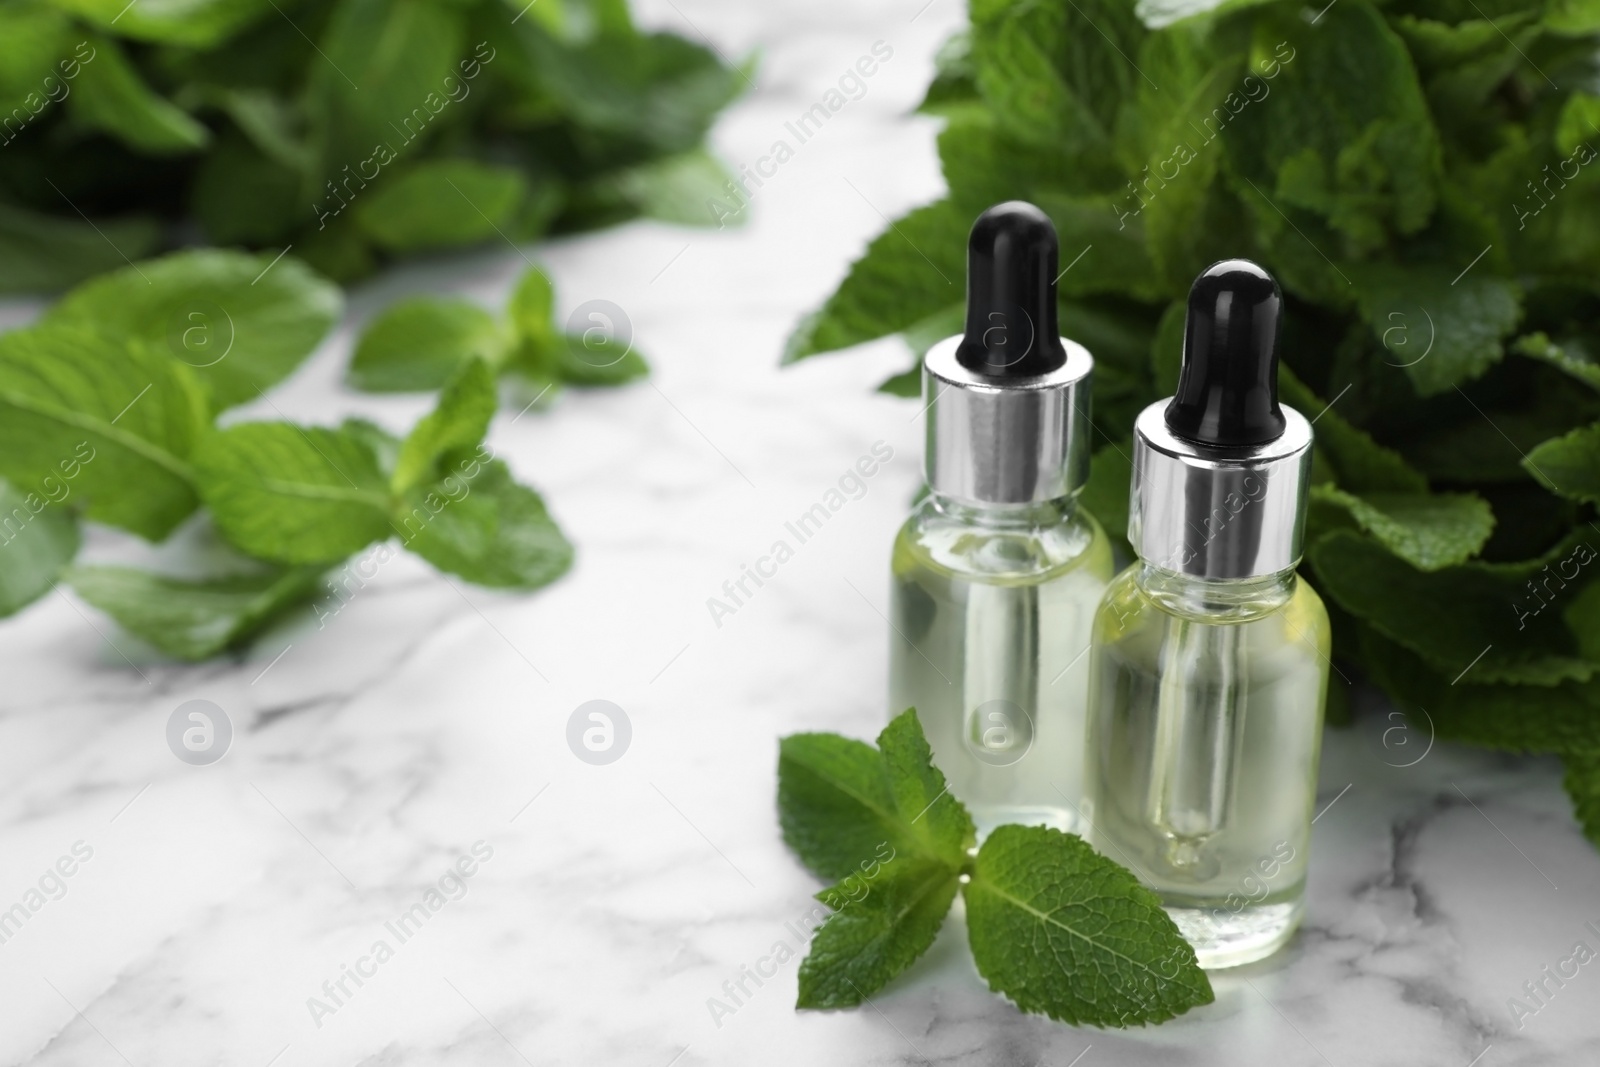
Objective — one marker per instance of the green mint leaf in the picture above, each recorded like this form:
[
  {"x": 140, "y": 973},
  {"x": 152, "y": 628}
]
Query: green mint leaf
[
  {"x": 1569, "y": 465},
  {"x": 242, "y": 323},
  {"x": 1572, "y": 356},
  {"x": 656, "y": 90},
  {"x": 1559, "y": 715},
  {"x": 115, "y": 422},
  {"x": 1466, "y": 318},
  {"x": 532, "y": 309},
  {"x": 476, "y": 521},
  {"x": 1112, "y": 251},
  {"x": 1572, "y": 17},
  {"x": 1497, "y": 619},
  {"x": 289, "y": 494},
  {"x": 1065, "y": 932},
  {"x": 676, "y": 189},
  {"x": 420, "y": 343},
  {"x": 1427, "y": 530},
  {"x": 1057, "y": 74},
  {"x": 840, "y": 801},
  {"x": 930, "y": 813},
  {"x": 881, "y": 923},
  {"x": 459, "y": 422},
  {"x": 240, "y": 196},
  {"x": 1583, "y": 786},
  {"x": 1358, "y": 463},
  {"x": 38, "y": 537},
  {"x": 194, "y": 23},
  {"x": 1106, "y": 495},
  {"x": 1348, "y": 136},
  {"x": 441, "y": 204},
  {"x": 111, "y": 95},
  {"x": 1583, "y": 619},
  {"x": 369, "y": 106},
  {"x": 911, "y": 271},
  {"x": 833, "y": 802},
  {"x": 36, "y": 39},
  {"x": 43, "y": 253},
  {"x": 592, "y": 360},
  {"x": 193, "y": 619}
]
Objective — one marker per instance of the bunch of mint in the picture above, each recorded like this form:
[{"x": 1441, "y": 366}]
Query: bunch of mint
[
  {"x": 1422, "y": 178},
  {"x": 352, "y": 130},
  {"x": 109, "y": 409},
  {"x": 1053, "y": 925}
]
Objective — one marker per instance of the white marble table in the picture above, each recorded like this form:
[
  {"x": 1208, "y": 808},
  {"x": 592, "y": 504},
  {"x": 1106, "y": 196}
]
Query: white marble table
[{"x": 370, "y": 756}]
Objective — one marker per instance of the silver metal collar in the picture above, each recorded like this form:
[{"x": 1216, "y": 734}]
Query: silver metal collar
[
  {"x": 1023, "y": 442},
  {"x": 1218, "y": 513}
]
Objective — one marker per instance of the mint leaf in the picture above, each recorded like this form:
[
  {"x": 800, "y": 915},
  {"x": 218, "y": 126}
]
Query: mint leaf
[
  {"x": 1571, "y": 357},
  {"x": 38, "y": 537},
  {"x": 117, "y": 422},
  {"x": 293, "y": 495},
  {"x": 1427, "y": 530},
  {"x": 1348, "y": 136},
  {"x": 370, "y": 103},
  {"x": 532, "y": 309},
  {"x": 913, "y": 270},
  {"x": 1065, "y": 932},
  {"x": 1561, "y": 715},
  {"x": 1468, "y": 318},
  {"x": 111, "y": 95},
  {"x": 936, "y": 819},
  {"x": 459, "y": 422},
  {"x": 675, "y": 189},
  {"x": 879, "y": 928},
  {"x": 1496, "y": 619},
  {"x": 840, "y": 801},
  {"x": 192, "y": 619},
  {"x": 420, "y": 343},
  {"x": 1358, "y": 463},
  {"x": 35, "y": 41},
  {"x": 1569, "y": 465},
  {"x": 196, "y": 23},
  {"x": 1583, "y": 786},
  {"x": 441, "y": 204},
  {"x": 588, "y": 360},
  {"x": 42, "y": 253},
  {"x": 476, "y": 521},
  {"x": 1106, "y": 495},
  {"x": 242, "y": 323}
]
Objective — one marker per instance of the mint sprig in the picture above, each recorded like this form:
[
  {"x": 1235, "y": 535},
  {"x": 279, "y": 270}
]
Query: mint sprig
[
  {"x": 421, "y": 342},
  {"x": 1053, "y": 925},
  {"x": 108, "y": 410}
]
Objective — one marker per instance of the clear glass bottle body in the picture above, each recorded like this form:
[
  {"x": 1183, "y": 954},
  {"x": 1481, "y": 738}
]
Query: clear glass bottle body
[
  {"x": 1205, "y": 726},
  {"x": 991, "y": 611}
]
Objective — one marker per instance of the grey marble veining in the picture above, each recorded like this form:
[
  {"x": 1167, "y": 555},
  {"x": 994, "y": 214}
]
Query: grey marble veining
[{"x": 372, "y": 753}]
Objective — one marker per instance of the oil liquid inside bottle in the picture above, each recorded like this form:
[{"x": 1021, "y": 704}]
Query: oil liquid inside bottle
[
  {"x": 1203, "y": 746},
  {"x": 991, "y": 616}
]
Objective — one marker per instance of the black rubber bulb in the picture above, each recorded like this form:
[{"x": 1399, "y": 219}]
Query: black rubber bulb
[
  {"x": 1012, "y": 330},
  {"x": 1228, "y": 389}
]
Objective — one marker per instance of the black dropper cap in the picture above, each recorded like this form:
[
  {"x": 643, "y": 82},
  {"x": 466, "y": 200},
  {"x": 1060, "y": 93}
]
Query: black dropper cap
[
  {"x": 1228, "y": 389},
  {"x": 1012, "y": 330}
]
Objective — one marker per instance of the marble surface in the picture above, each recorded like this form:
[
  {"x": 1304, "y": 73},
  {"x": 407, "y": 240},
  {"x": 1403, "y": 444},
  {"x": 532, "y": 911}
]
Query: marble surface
[{"x": 427, "y": 719}]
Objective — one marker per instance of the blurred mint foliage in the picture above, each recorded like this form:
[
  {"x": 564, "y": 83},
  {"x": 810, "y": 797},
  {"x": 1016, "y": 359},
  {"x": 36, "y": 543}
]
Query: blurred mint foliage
[
  {"x": 355, "y": 131},
  {"x": 1420, "y": 175},
  {"x": 420, "y": 343},
  {"x": 109, "y": 410}
]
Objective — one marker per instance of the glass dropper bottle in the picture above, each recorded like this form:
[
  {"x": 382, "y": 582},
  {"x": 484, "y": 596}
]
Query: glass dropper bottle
[
  {"x": 1210, "y": 656},
  {"x": 997, "y": 573}
]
